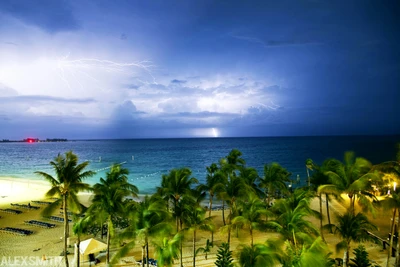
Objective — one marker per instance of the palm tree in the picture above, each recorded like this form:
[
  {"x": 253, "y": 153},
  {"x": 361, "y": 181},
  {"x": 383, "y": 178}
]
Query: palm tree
[
  {"x": 235, "y": 185},
  {"x": 234, "y": 189},
  {"x": 167, "y": 249},
  {"x": 392, "y": 201},
  {"x": 234, "y": 159},
  {"x": 253, "y": 213},
  {"x": 221, "y": 189},
  {"x": 194, "y": 219},
  {"x": 108, "y": 202},
  {"x": 309, "y": 166},
  {"x": 174, "y": 186},
  {"x": 80, "y": 227},
  {"x": 291, "y": 215},
  {"x": 206, "y": 249},
  {"x": 214, "y": 181},
  {"x": 390, "y": 167},
  {"x": 318, "y": 179},
  {"x": 261, "y": 255},
  {"x": 390, "y": 170},
  {"x": 65, "y": 186},
  {"x": 353, "y": 177},
  {"x": 229, "y": 167},
  {"x": 214, "y": 184},
  {"x": 250, "y": 178},
  {"x": 148, "y": 218},
  {"x": 275, "y": 178},
  {"x": 307, "y": 254},
  {"x": 352, "y": 227}
]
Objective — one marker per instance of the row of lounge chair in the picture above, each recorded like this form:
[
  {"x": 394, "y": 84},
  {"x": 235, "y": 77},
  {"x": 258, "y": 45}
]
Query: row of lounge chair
[
  {"x": 16, "y": 231},
  {"x": 58, "y": 219},
  {"x": 11, "y": 211},
  {"x": 40, "y": 224},
  {"x": 25, "y": 206},
  {"x": 42, "y": 202}
]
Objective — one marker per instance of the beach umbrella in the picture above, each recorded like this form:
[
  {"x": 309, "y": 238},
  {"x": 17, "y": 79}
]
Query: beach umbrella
[{"x": 91, "y": 246}]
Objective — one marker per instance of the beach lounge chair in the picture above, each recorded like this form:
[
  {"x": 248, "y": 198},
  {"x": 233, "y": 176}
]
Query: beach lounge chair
[
  {"x": 40, "y": 224},
  {"x": 58, "y": 219},
  {"x": 11, "y": 211},
  {"x": 41, "y": 202},
  {"x": 17, "y": 231},
  {"x": 25, "y": 206}
]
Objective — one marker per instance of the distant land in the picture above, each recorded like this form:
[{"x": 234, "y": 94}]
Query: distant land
[{"x": 34, "y": 140}]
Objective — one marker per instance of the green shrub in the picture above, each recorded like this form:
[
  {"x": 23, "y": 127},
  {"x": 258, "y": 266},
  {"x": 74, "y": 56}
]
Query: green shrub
[
  {"x": 361, "y": 258},
  {"x": 224, "y": 256}
]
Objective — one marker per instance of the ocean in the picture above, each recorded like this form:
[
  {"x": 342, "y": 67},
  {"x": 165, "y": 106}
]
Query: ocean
[{"x": 148, "y": 159}]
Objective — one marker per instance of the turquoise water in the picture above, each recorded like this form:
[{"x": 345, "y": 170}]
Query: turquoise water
[{"x": 148, "y": 159}]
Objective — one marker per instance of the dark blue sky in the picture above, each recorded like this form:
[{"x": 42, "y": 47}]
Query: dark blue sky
[{"x": 126, "y": 69}]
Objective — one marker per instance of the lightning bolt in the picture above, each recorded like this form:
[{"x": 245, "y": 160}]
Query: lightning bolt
[
  {"x": 272, "y": 105},
  {"x": 83, "y": 65}
]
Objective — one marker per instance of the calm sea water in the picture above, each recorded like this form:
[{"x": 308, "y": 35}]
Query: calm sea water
[{"x": 148, "y": 159}]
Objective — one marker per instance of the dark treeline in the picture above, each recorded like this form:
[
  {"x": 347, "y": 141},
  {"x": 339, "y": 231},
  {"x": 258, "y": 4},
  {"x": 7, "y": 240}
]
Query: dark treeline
[{"x": 249, "y": 201}]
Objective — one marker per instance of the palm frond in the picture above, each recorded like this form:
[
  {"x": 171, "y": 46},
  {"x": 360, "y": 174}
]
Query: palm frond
[
  {"x": 341, "y": 246},
  {"x": 48, "y": 177},
  {"x": 51, "y": 208}
]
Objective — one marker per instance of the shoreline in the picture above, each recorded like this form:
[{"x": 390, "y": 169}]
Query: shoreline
[{"x": 16, "y": 190}]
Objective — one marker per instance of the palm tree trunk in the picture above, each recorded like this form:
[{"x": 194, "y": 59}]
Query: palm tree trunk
[
  {"x": 147, "y": 252},
  {"x": 209, "y": 215},
  {"x": 108, "y": 242},
  {"x": 102, "y": 227},
  {"x": 181, "y": 244},
  {"x": 143, "y": 257},
  {"x": 269, "y": 196},
  {"x": 346, "y": 256},
  {"x": 398, "y": 241},
  {"x": 251, "y": 235},
  {"x": 327, "y": 213},
  {"x": 65, "y": 229},
  {"x": 181, "y": 247},
  {"x": 320, "y": 220},
  {"x": 211, "y": 202},
  {"x": 78, "y": 243},
  {"x": 223, "y": 212},
  {"x": 176, "y": 218},
  {"x": 229, "y": 235},
  {"x": 194, "y": 248},
  {"x": 391, "y": 237},
  {"x": 294, "y": 241},
  {"x": 181, "y": 252},
  {"x": 229, "y": 226}
]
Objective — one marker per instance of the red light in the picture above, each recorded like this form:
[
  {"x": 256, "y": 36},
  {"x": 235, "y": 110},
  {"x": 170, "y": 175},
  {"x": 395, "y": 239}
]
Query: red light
[{"x": 30, "y": 141}]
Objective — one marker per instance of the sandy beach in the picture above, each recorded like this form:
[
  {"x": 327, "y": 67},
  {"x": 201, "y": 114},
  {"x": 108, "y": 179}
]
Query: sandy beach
[{"x": 47, "y": 243}]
